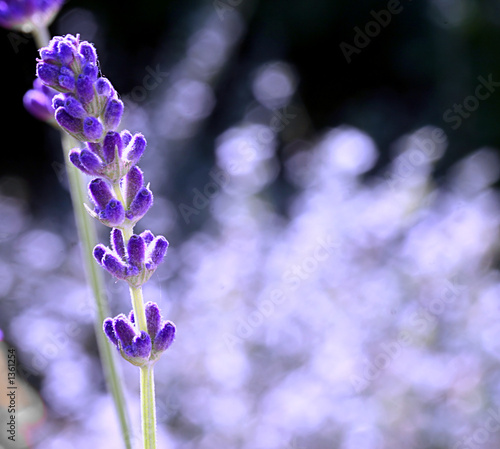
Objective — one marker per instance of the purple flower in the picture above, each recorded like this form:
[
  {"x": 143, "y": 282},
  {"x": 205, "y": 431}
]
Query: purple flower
[
  {"x": 135, "y": 262},
  {"x": 38, "y": 101},
  {"x": 114, "y": 155},
  {"x": 140, "y": 348},
  {"x": 23, "y": 15},
  {"x": 70, "y": 66}
]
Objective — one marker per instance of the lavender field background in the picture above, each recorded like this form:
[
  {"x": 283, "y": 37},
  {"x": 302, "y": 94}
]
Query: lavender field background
[{"x": 334, "y": 232}]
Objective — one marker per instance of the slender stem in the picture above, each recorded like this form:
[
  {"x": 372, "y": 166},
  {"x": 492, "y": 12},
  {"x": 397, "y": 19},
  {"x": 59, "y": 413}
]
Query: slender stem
[
  {"x": 148, "y": 411},
  {"x": 87, "y": 235},
  {"x": 138, "y": 305},
  {"x": 41, "y": 35}
]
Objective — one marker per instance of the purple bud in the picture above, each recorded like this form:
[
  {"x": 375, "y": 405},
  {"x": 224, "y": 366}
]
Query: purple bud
[
  {"x": 91, "y": 162},
  {"x": 38, "y": 104},
  {"x": 116, "y": 267},
  {"x": 157, "y": 250},
  {"x": 147, "y": 236},
  {"x": 49, "y": 55},
  {"x": 65, "y": 53},
  {"x": 153, "y": 318},
  {"x": 90, "y": 71},
  {"x": 131, "y": 316},
  {"x": 100, "y": 193},
  {"x": 85, "y": 89},
  {"x": 103, "y": 87},
  {"x": 71, "y": 124},
  {"x": 112, "y": 142},
  {"x": 66, "y": 81},
  {"x": 74, "y": 157},
  {"x": 74, "y": 108},
  {"x": 165, "y": 337},
  {"x": 136, "y": 250},
  {"x": 118, "y": 242},
  {"x": 99, "y": 252},
  {"x": 87, "y": 50},
  {"x": 126, "y": 137},
  {"x": 141, "y": 346},
  {"x": 140, "y": 204},
  {"x": 58, "y": 101},
  {"x": 136, "y": 148},
  {"x": 132, "y": 184},
  {"x": 109, "y": 331},
  {"x": 113, "y": 214},
  {"x": 48, "y": 73},
  {"x": 113, "y": 113},
  {"x": 92, "y": 128},
  {"x": 124, "y": 330}
]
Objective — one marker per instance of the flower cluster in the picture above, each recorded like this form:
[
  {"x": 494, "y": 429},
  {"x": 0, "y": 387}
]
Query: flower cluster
[
  {"x": 135, "y": 262},
  {"x": 24, "y": 15},
  {"x": 140, "y": 348},
  {"x": 88, "y": 108}
]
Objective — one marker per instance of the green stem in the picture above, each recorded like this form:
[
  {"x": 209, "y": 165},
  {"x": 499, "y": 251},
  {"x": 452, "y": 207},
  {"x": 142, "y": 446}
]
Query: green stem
[
  {"x": 148, "y": 411},
  {"x": 87, "y": 235},
  {"x": 138, "y": 305}
]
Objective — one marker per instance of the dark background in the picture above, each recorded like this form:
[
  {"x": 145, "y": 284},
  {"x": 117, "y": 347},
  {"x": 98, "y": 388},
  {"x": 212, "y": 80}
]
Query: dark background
[{"x": 422, "y": 63}]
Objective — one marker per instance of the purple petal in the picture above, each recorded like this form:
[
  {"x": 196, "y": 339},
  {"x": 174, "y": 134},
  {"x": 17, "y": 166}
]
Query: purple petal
[
  {"x": 74, "y": 108},
  {"x": 112, "y": 142},
  {"x": 85, "y": 89},
  {"x": 69, "y": 123},
  {"x": 124, "y": 330},
  {"x": 157, "y": 250},
  {"x": 113, "y": 214},
  {"x": 165, "y": 337},
  {"x": 118, "y": 242},
  {"x": 140, "y": 204},
  {"x": 136, "y": 148},
  {"x": 132, "y": 184},
  {"x": 74, "y": 157},
  {"x": 113, "y": 113},
  {"x": 136, "y": 250},
  {"x": 100, "y": 192},
  {"x": 91, "y": 162},
  {"x": 141, "y": 346},
  {"x": 109, "y": 331},
  {"x": 153, "y": 318},
  {"x": 116, "y": 267},
  {"x": 92, "y": 128},
  {"x": 99, "y": 252}
]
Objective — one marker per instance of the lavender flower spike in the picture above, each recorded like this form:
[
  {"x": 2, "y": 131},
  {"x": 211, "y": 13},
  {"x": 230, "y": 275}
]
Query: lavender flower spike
[{"x": 140, "y": 348}]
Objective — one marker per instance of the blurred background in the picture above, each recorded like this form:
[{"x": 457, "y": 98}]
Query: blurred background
[{"x": 327, "y": 175}]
